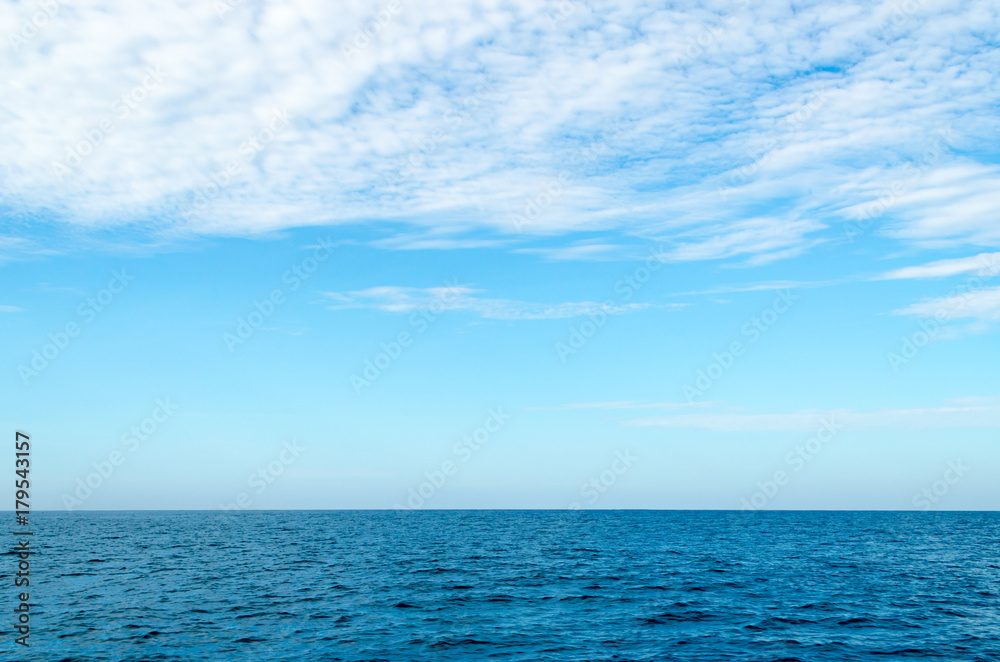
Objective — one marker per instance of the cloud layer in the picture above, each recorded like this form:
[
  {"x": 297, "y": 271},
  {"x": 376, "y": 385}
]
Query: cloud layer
[
  {"x": 453, "y": 297},
  {"x": 723, "y": 130}
]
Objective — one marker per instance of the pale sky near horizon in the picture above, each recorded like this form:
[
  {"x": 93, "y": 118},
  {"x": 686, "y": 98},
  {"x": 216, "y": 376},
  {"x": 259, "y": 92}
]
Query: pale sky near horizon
[{"x": 502, "y": 254}]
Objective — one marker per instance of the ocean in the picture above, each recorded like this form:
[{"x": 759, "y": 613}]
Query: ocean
[{"x": 511, "y": 585}]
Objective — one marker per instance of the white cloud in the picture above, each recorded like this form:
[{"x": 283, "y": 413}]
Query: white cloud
[
  {"x": 953, "y": 205},
  {"x": 765, "y": 238},
  {"x": 982, "y": 305},
  {"x": 762, "y": 287},
  {"x": 453, "y": 297},
  {"x": 419, "y": 242},
  {"x": 984, "y": 263},
  {"x": 11, "y": 309},
  {"x": 582, "y": 251},
  {"x": 460, "y": 113},
  {"x": 972, "y": 299}
]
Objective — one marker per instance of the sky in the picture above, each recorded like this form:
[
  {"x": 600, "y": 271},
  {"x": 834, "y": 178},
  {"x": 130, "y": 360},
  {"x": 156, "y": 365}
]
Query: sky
[{"x": 499, "y": 254}]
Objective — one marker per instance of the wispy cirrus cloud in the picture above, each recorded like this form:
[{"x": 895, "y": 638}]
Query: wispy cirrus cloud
[
  {"x": 984, "y": 263},
  {"x": 953, "y": 205},
  {"x": 763, "y": 286},
  {"x": 764, "y": 239},
  {"x": 410, "y": 242},
  {"x": 395, "y": 299},
  {"x": 588, "y": 250},
  {"x": 982, "y": 305}
]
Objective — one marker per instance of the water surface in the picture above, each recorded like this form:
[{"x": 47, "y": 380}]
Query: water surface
[{"x": 513, "y": 585}]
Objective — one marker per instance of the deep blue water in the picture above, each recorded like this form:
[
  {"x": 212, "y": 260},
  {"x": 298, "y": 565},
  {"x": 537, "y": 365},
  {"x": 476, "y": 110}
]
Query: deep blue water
[{"x": 512, "y": 585}]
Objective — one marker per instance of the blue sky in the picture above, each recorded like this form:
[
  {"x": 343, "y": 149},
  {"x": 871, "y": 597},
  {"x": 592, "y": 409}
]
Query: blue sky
[{"x": 501, "y": 254}]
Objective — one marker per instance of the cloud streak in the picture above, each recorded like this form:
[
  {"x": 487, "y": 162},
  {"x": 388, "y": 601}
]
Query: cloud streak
[
  {"x": 984, "y": 263},
  {"x": 985, "y": 416},
  {"x": 982, "y": 305},
  {"x": 393, "y": 299}
]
